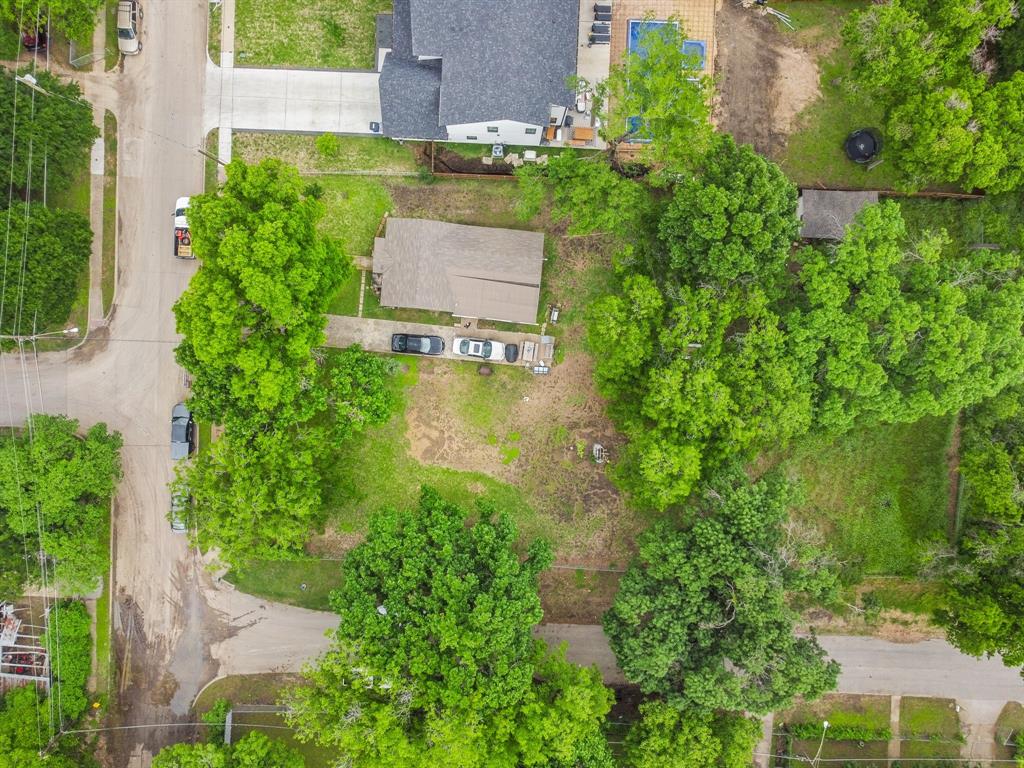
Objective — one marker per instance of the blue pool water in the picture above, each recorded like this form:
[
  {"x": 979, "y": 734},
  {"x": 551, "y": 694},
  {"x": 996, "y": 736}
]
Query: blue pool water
[{"x": 637, "y": 28}]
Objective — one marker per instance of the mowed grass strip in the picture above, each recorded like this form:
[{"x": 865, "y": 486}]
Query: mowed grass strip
[{"x": 330, "y": 34}]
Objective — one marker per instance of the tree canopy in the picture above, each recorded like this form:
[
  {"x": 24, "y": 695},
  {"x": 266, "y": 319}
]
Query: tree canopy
[
  {"x": 52, "y": 134},
  {"x": 254, "y": 750},
  {"x": 45, "y": 249},
  {"x": 434, "y": 659},
  {"x": 899, "y": 330},
  {"x": 701, "y": 617},
  {"x": 666, "y": 737},
  {"x": 69, "y": 480},
  {"x": 983, "y": 599},
  {"x": 658, "y": 94},
  {"x": 75, "y": 18},
  {"x": 255, "y": 311},
  {"x": 931, "y": 65}
]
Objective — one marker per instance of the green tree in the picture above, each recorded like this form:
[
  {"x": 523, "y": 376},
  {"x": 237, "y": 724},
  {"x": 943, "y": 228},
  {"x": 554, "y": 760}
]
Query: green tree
[
  {"x": 929, "y": 66},
  {"x": 735, "y": 221},
  {"x": 983, "y": 599},
  {"x": 69, "y": 643},
  {"x": 594, "y": 197},
  {"x": 658, "y": 94},
  {"x": 257, "y": 750},
  {"x": 701, "y": 617},
  {"x": 666, "y": 737},
  {"x": 900, "y": 330},
  {"x": 192, "y": 756},
  {"x": 74, "y": 18},
  {"x": 412, "y": 619},
  {"x": 52, "y": 134},
  {"x": 253, "y": 314},
  {"x": 696, "y": 377},
  {"x": 49, "y": 475},
  {"x": 434, "y": 661},
  {"x": 46, "y": 249}
]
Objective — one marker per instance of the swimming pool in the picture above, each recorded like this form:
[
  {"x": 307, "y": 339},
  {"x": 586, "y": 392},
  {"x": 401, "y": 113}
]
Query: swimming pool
[{"x": 637, "y": 28}]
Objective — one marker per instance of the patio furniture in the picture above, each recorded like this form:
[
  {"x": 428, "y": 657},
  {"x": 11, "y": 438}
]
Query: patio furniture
[
  {"x": 582, "y": 133},
  {"x": 549, "y": 133},
  {"x": 599, "y": 40},
  {"x": 601, "y": 28},
  {"x": 530, "y": 155},
  {"x": 602, "y": 15}
]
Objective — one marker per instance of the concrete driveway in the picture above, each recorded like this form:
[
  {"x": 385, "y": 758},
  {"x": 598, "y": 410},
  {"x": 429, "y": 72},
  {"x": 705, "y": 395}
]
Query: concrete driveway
[
  {"x": 309, "y": 101},
  {"x": 375, "y": 335}
]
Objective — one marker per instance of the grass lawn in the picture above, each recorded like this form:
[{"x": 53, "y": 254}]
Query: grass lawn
[
  {"x": 814, "y": 153},
  {"x": 926, "y": 718},
  {"x": 113, "y": 55},
  {"x": 282, "y": 581},
  {"x": 346, "y": 302},
  {"x": 904, "y": 594},
  {"x": 74, "y": 198},
  {"x": 205, "y": 435},
  {"x": 355, "y": 206},
  {"x": 331, "y": 34},
  {"x": 376, "y": 155},
  {"x": 210, "y": 165},
  {"x": 213, "y": 33},
  {"x": 842, "y": 710},
  {"x": 880, "y": 493},
  {"x": 871, "y": 754},
  {"x": 109, "y": 208},
  {"x": 1009, "y": 727}
]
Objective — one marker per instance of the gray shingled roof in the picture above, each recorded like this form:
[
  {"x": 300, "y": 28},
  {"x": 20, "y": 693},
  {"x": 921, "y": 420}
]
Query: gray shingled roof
[
  {"x": 825, "y": 214},
  {"x": 501, "y": 59},
  {"x": 478, "y": 272},
  {"x": 409, "y": 94}
]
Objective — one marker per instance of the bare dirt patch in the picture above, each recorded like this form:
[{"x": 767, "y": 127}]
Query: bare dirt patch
[
  {"x": 894, "y": 626},
  {"x": 538, "y": 437},
  {"x": 764, "y": 82}
]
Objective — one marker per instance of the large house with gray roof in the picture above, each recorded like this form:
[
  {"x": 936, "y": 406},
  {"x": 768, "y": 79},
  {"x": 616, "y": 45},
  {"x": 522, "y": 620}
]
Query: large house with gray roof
[
  {"x": 471, "y": 272},
  {"x": 490, "y": 72}
]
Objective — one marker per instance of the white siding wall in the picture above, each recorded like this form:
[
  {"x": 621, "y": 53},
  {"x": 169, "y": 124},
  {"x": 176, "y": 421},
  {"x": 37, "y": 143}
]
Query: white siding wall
[{"x": 509, "y": 132}]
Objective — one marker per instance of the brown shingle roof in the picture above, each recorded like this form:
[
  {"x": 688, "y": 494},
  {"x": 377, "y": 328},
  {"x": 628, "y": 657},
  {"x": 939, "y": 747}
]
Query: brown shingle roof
[
  {"x": 480, "y": 272},
  {"x": 825, "y": 213}
]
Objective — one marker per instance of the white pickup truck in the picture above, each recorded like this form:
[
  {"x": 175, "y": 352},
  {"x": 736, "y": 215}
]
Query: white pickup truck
[{"x": 182, "y": 237}]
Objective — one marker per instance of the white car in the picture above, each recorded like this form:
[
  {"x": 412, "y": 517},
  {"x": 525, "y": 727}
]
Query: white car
[
  {"x": 129, "y": 16},
  {"x": 485, "y": 350}
]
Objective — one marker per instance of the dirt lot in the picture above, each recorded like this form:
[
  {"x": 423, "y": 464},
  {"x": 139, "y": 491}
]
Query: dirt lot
[{"x": 763, "y": 81}]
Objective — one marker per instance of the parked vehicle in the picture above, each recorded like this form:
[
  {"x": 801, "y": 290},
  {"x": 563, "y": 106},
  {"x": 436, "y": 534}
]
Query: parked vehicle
[
  {"x": 485, "y": 350},
  {"x": 183, "y": 432},
  {"x": 179, "y": 511},
  {"x": 34, "y": 39},
  {"x": 182, "y": 236},
  {"x": 411, "y": 344},
  {"x": 129, "y": 16}
]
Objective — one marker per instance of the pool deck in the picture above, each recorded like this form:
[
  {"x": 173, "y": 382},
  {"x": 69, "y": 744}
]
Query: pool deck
[{"x": 697, "y": 17}]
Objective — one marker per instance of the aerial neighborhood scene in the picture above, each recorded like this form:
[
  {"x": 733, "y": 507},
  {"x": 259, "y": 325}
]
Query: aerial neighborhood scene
[{"x": 512, "y": 384}]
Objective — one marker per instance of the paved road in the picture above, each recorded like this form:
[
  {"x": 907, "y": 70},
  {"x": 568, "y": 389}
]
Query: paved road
[
  {"x": 185, "y": 628},
  {"x": 870, "y": 665},
  {"x": 375, "y": 335}
]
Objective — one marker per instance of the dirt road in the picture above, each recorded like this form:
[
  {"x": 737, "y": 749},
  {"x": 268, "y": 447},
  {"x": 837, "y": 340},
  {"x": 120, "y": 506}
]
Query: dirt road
[{"x": 178, "y": 627}]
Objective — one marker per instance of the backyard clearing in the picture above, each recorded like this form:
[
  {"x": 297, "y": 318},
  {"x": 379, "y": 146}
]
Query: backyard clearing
[
  {"x": 330, "y": 34},
  {"x": 783, "y": 91}
]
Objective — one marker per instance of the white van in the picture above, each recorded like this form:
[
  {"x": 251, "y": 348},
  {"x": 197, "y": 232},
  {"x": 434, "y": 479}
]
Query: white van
[{"x": 129, "y": 16}]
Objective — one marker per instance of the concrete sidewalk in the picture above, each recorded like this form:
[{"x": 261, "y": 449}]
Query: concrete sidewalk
[{"x": 375, "y": 335}]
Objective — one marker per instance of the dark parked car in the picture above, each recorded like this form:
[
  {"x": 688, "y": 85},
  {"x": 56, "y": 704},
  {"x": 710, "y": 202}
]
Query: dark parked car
[
  {"x": 417, "y": 345},
  {"x": 183, "y": 432}
]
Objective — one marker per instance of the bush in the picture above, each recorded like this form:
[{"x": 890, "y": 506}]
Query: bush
[
  {"x": 215, "y": 718},
  {"x": 812, "y": 731},
  {"x": 328, "y": 145}
]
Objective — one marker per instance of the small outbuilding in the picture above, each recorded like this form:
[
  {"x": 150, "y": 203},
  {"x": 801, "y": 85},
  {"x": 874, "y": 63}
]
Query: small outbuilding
[
  {"x": 824, "y": 214},
  {"x": 473, "y": 272}
]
